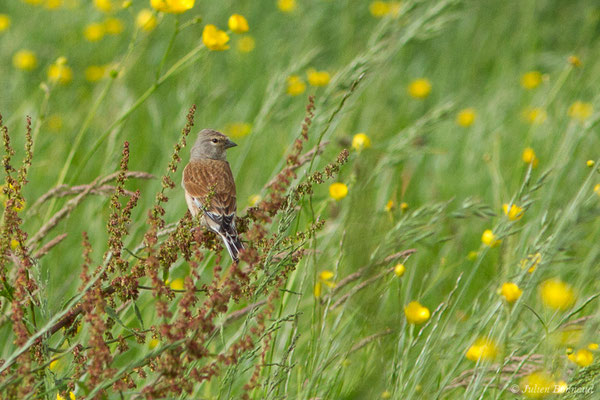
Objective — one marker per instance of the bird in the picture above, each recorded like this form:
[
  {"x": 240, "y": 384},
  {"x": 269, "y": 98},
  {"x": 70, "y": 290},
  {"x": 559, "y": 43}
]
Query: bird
[{"x": 210, "y": 188}]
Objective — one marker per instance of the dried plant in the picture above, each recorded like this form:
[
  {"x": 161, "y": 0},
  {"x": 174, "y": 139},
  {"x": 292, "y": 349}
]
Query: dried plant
[{"x": 112, "y": 286}]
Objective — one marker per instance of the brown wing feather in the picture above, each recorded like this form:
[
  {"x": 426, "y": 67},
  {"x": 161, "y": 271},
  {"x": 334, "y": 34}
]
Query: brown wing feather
[{"x": 203, "y": 176}]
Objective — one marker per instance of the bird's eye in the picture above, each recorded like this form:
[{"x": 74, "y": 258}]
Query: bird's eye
[{"x": 214, "y": 140}]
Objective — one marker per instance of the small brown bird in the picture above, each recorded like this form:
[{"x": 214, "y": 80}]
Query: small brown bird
[{"x": 210, "y": 188}]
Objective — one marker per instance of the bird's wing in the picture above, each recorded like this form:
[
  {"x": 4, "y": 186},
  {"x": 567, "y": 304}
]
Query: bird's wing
[{"x": 210, "y": 185}]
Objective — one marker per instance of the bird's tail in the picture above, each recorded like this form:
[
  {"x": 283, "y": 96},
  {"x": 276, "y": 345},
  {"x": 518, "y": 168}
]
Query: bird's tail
[
  {"x": 232, "y": 243},
  {"x": 224, "y": 226}
]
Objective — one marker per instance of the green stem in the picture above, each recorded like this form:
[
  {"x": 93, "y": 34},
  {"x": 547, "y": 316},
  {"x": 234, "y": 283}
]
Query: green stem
[
  {"x": 42, "y": 115},
  {"x": 169, "y": 48}
]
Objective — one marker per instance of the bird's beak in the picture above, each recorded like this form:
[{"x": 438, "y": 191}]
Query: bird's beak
[{"x": 230, "y": 144}]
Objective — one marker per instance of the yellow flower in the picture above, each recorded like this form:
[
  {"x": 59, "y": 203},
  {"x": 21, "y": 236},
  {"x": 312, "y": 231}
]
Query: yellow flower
[
  {"x": 146, "y": 20},
  {"x": 513, "y": 211},
  {"x": 4, "y": 22},
  {"x": 254, "y": 199},
  {"x": 246, "y": 44},
  {"x": 582, "y": 357},
  {"x": 177, "y": 284},
  {"x": 104, "y": 5},
  {"x": 71, "y": 396},
  {"x": 535, "y": 115},
  {"x": 238, "y": 24},
  {"x": 295, "y": 85},
  {"x": 60, "y": 72},
  {"x": 94, "y": 73},
  {"x": 286, "y": 5},
  {"x": 113, "y": 26},
  {"x": 472, "y": 256},
  {"x": 557, "y": 294},
  {"x": 416, "y": 313},
  {"x": 317, "y": 290},
  {"x": 597, "y": 189},
  {"x": 379, "y": 9},
  {"x": 14, "y": 243},
  {"x": 325, "y": 278},
  {"x": 53, "y": 365},
  {"x": 25, "y": 60},
  {"x": 466, "y": 117},
  {"x": 489, "y": 239},
  {"x": 153, "y": 343},
  {"x": 386, "y": 395},
  {"x": 580, "y": 110},
  {"x": 338, "y": 190},
  {"x": 533, "y": 260},
  {"x": 389, "y": 206},
  {"x": 531, "y": 80},
  {"x": 419, "y": 88},
  {"x": 574, "y": 61},
  {"x": 238, "y": 129},
  {"x": 361, "y": 141},
  {"x": 537, "y": 385},
  {"x": 71, "y": 4},
  {"x": 529, "y": 157},
  {"x": 55, "y": 123},
  {"x": 482, "y": 349},
  {"x": 53, "y": 4},
  {"x": 318, "y": 78},
  {"x": 399, "y": 270},
  {"x": 94, "y": 32},
  {"x": 593, "y": 346},
  {"x": 510, "y": 291},
  {"x": 172, "y": 6},
  {"x": 403, "y": 206},
  {"x": 214, "y": 38},
  {"x": 19, "y": 205},
  {"x": 590, "y": 163}
]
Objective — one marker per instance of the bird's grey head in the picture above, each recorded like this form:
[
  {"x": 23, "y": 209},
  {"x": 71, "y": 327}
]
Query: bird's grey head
[{"x": 211, "y": 145}]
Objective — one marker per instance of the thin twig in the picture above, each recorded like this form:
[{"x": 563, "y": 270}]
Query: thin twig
[
  {"x": 74, "y": 202},
  {"x": 56, "y": 218},
  {"x": 240, "y": 313},
  {"x": 533, "y": 363},
  {"x": 368, "y": 340},
  {"x": 360, "y": 286},
  {"x": 100, "y": 187},
  {"x": 361, "y": 271},
  {"x": 163, "y": 232},
  {"x": 74, "y": 312},
  {"x": 48, "y": 246}
]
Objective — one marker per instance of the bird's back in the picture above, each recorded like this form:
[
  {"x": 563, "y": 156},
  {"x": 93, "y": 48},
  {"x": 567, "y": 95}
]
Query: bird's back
[{"x": 211, "y": 180}]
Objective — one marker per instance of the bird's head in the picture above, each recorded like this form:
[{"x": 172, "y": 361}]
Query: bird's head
[{"x": 211, "y": 145}]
